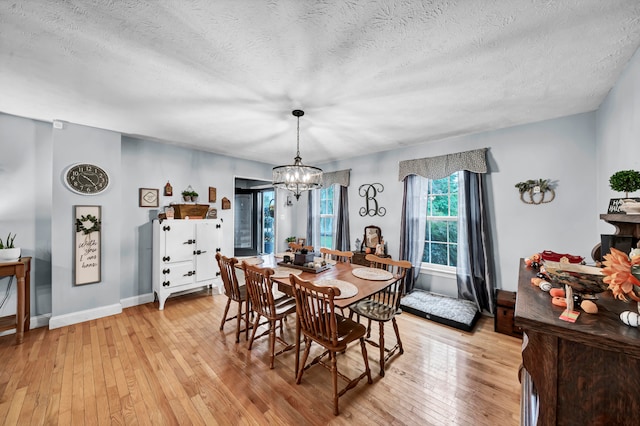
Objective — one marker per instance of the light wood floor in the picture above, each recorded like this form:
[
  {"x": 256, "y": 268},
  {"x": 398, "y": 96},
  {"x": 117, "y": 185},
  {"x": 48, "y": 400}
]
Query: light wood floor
[{"x": 147, "y": 366}]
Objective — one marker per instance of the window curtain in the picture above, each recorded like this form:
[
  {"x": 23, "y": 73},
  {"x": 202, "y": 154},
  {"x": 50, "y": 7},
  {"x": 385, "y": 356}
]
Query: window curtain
[
  {"x": 413, "y": 226},
  {"x": 474, "y": 271},
  {"x": 342, "y": 220},
  {"x": 313, "y": 217}
]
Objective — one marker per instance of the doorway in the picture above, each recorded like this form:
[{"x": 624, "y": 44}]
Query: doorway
[{"x": 254, "y": 217}]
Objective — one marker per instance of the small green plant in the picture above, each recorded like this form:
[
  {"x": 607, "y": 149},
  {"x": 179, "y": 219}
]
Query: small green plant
[
  {"x": 625, "y": 181},
  {"x": 194, "y": 194},
  {"x": 9, "y": 242},
  {"x": 291, "y": 239}
]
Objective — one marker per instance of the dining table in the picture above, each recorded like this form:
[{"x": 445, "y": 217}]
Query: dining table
[{"x": 338, "y": 273}]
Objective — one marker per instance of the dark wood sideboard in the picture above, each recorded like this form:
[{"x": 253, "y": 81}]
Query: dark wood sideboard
[{"x": 582, "y": 373}]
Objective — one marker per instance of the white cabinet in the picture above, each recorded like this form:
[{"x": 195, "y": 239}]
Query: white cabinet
[{"x": 184, "y": 255}]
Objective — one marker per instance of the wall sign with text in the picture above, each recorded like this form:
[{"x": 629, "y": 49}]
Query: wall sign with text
[{"x": 88, "y": 228}]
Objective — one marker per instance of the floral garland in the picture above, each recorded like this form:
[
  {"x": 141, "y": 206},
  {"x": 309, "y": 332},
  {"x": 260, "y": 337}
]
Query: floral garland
[{"x": 88, "y": 218}]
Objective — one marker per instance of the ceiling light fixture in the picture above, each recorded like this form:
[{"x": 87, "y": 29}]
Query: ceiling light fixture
[{"x": 297, "y": 177}]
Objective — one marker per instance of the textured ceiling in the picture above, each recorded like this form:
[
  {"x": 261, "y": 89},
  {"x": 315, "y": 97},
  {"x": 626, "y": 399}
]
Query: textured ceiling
[{"x": 223, "y": 76}]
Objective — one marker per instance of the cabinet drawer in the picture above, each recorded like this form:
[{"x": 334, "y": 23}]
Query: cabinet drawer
[{"x": 176, "y": 274}]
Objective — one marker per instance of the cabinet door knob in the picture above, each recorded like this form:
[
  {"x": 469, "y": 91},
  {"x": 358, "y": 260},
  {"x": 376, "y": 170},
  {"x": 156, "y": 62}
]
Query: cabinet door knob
[
  {"x": 166, "y": 228},
  {"x": 166, "y": 283},
  {"x": 166, "y": 271},
  {"x": 166, "y": 258},
  {"x": 217, "y": 249},
  {"x": 190, "y": 273},
  {"x": 218, "y": 226},
  {"x": 218, "y": 274}
]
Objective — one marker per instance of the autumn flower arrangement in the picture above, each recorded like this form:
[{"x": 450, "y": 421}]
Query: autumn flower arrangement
[{"x": 619, "y": 270}]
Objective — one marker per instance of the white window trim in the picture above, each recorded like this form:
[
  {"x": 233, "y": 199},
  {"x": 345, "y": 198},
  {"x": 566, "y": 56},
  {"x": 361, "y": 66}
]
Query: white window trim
[{"x": 437, "y": 270}]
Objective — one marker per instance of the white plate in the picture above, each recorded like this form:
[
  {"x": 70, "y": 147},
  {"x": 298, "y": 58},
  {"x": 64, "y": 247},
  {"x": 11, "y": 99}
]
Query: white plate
[{"x": 373, "y": 274}]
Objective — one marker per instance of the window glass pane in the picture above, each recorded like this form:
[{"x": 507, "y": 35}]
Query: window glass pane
[
  {"x": 440, "y": 205},
  {"x": 453, "y": 183},
  {"x": 439, "y": 253},
  {"x": 453, "y": 232},
  {"x": 440, "y": 186},
  {"x": 438, "y": 230},
  {"x": 453, "y": 200},
  {"x": 453, "y": 255}
]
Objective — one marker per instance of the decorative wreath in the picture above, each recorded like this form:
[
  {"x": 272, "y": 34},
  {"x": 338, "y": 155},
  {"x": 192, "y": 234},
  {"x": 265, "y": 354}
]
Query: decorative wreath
[
  {"x": 88, "y": 218},
  {"x": 535, "y": 189}
]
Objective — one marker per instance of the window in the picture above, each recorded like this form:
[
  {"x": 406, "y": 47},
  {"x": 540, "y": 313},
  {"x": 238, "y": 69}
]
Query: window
[
  {"x": 327, "y": 203},
  {"x": 441, "y": 234}
]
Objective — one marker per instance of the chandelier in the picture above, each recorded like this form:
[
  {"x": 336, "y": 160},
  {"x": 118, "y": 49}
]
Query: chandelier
[{"x": 297, "y": 177}]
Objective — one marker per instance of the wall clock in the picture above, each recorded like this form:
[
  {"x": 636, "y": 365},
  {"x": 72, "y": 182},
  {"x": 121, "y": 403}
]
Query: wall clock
[{"x": 86, "y": 179}]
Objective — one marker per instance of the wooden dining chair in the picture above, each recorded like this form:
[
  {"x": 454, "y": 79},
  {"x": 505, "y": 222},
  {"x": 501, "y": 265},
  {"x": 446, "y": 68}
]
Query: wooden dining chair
[
  {"x": 234, "y": 292},
  {"x": 297, "y": 247},
  {"x": 264, "y": 304},
  {"x": 318, "y": 322},
  {"x": 384, "y": 305},
  {"x": 337, "y": 255}
]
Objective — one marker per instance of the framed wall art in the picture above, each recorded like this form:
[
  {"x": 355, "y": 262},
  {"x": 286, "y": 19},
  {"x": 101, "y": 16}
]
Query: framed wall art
[
  {"x": 88, "y": 256},
  {"x": 148, "y": 197},
  {"x": 212, "y": 194}
]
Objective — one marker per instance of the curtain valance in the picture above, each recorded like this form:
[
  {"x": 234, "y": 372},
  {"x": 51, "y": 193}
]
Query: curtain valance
[
  {"x": 341, "y": 177},
  {"x": 443, "y": 165}
]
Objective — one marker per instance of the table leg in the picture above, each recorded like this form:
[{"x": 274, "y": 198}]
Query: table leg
[
  {"x": 27, "y": 301},
  {"x": 20, "y": 309}
]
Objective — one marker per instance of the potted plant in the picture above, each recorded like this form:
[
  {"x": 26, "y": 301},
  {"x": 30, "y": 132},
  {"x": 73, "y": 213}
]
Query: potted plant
[
  {"x": 625, "y": 181},
  {"x": 8, "y": 251},
  {"x": 189, "y": 195}
]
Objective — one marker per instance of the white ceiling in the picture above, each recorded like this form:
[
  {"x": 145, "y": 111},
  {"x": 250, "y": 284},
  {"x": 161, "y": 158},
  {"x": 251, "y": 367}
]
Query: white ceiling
[{"x": 224, "y": 75}]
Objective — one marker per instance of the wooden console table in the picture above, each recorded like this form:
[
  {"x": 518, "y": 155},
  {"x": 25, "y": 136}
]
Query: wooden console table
[
  {"x": 582, "y": 373},
  {"x": 21, "y": 321}
]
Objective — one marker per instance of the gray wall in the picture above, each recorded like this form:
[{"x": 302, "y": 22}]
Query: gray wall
[
  {"x": 578, "y": 152},
  {"x": 618, "y": 136},
  {"x": 561, "y": 150}
]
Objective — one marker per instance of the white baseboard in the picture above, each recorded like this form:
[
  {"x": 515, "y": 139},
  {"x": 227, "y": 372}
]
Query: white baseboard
[
  {"x": 137, "y": 300},
  {"x": 90, "y": 314},
  {"x": 82, "y": 316}
]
